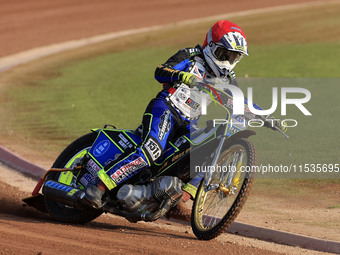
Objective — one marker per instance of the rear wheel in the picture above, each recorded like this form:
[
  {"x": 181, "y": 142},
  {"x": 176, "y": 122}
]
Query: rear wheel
[
  {"x": 74, "y": 152},
  {"x": 214, "y": 210}
]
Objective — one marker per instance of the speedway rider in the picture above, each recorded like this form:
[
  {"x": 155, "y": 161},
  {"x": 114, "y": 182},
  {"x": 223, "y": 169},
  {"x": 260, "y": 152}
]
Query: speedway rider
[{"x": 223, "y": 48}]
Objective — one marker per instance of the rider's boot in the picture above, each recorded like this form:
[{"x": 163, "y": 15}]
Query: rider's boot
[
  {"x": 94, "y": 193},
  {"x": 180, "y": 211}
]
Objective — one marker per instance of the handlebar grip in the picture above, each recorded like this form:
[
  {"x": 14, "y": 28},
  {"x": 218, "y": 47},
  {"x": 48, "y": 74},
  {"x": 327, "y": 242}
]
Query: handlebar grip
[{"x": 273, "y": 127}]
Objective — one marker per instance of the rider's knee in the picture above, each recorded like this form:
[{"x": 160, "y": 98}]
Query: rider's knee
[{"x": 152, "y": 149}]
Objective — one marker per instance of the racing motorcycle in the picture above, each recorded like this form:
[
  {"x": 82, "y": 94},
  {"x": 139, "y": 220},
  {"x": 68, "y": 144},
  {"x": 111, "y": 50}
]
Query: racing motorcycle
[{"x": 223, "y": 153}]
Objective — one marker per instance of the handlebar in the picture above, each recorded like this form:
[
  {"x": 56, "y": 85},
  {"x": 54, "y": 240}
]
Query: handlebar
[
  {"x": 274, "y": 127},
  {"x": 283, "y": 133},
  {"x": 205, "y": 85}
]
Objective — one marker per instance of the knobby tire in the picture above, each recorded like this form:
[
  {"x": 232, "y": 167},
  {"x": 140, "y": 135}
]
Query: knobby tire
[{"x": 234, "y": 210}]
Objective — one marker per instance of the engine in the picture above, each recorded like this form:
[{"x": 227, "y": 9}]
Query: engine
[{"x": 148, "y": 197}]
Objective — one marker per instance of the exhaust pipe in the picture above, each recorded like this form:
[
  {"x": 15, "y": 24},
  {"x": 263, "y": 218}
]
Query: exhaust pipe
[{"x": 63, "y": 194}]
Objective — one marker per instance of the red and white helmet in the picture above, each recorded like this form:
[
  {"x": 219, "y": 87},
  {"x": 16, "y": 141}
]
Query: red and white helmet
[{"x": 224, "y": 46}]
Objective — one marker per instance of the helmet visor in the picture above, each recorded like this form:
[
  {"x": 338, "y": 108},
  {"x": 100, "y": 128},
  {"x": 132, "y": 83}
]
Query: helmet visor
[{"x": 223, "y": 54}]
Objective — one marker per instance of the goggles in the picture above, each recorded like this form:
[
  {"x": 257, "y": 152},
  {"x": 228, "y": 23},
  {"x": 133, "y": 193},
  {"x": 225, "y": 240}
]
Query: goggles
[{"x": 223, "y": 54}]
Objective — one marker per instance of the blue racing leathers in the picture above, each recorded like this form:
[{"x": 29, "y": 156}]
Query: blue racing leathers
[
  {"x": 160, "y": 122},
  {"x": 161, "y": 119}
]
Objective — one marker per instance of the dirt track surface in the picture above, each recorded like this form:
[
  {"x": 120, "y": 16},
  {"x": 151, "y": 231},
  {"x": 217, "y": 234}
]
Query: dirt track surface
[
  {"x": 26, "y": 231},
  {"x": 33, "y": 23}
]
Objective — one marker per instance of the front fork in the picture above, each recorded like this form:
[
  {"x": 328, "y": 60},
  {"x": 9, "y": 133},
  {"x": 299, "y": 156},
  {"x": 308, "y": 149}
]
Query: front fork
[
  {"x": 233, "y": 172},
  {"x": 208, "y": 174}
]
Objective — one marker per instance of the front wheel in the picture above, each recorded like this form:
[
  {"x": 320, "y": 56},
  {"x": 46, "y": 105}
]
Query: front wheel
[
  {"x": 214, "y": 210},
  {"x": 75, "y": 151}
]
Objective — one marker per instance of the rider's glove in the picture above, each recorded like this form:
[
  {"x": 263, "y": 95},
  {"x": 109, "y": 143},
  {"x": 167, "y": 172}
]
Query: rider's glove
[
  {"x": 188, "y": 79},
  {"x": 272, "y": 123}
]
